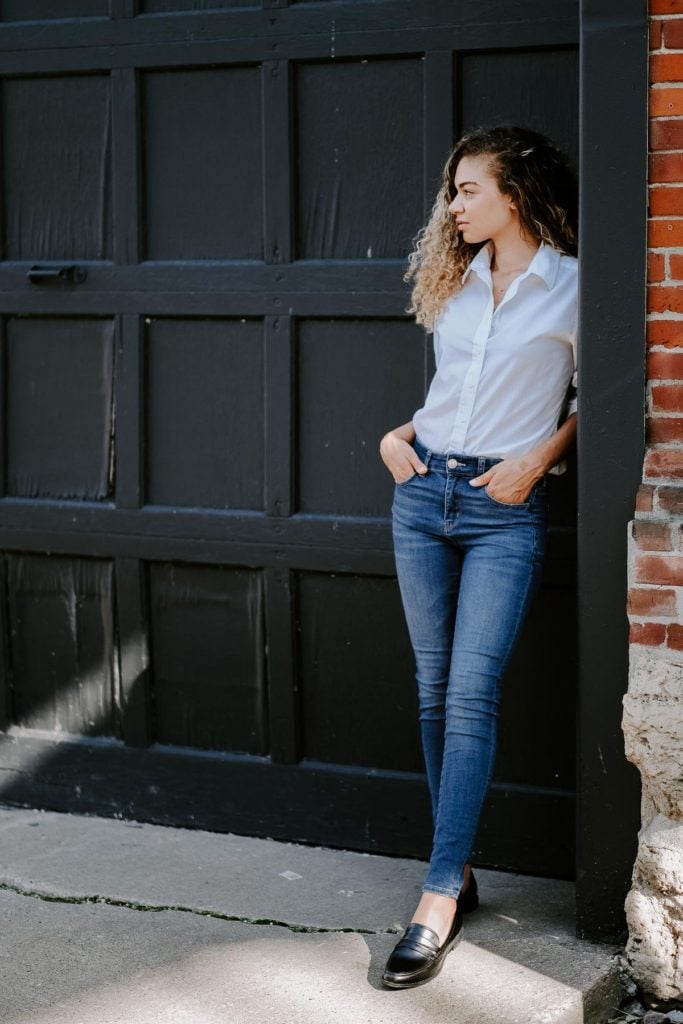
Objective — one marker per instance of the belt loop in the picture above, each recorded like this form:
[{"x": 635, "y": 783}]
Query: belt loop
[
  {"x": 481, "y": 465},
  {"x": 428, "y": 455}
]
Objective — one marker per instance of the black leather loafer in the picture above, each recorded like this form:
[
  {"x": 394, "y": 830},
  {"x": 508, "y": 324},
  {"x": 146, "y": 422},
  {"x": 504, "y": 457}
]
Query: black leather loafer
[
  {"x": 469, "y": 899},
  {"x": 417, "y": 956}
]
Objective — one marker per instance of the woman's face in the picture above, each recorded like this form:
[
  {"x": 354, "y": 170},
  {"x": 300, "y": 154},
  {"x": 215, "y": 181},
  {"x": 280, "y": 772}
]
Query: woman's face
[{"x": 479, "y": 207}]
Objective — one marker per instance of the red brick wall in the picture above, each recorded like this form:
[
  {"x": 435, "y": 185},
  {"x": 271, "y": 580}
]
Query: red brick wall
[{"x": 655, "y": 604}]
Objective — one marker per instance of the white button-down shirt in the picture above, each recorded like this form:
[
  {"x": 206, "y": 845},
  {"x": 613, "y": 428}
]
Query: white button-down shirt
[{"x": 502, "y": 375}]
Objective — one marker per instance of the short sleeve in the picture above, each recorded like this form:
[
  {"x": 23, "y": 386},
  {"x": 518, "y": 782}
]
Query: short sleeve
[
  {"x": 572, "y": 395},
  {"x": 571, "y": 405},
  {"x": 572, "y": 390}
]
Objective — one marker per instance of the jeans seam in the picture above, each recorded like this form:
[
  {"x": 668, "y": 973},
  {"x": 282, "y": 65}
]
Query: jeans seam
[{"x": 523, "y": 609}]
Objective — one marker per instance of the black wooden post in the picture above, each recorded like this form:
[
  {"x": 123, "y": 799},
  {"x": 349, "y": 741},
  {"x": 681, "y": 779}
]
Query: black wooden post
[{"x": 612, "y": 257}]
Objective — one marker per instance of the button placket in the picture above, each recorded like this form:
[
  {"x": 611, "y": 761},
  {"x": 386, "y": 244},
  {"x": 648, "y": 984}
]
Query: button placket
[{"x": 471, "y": 381}]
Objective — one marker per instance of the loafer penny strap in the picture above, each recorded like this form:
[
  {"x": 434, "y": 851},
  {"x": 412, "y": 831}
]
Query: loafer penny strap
[{"x": 420, "y": 938}]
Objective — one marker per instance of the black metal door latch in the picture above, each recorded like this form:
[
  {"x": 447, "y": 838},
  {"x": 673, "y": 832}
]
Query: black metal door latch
[{"x": 70, "y": 273}]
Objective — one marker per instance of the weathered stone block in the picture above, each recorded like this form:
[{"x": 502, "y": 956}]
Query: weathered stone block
[
  {"x": 654, "y": 912},
  {"x": 652, "y": 723}
]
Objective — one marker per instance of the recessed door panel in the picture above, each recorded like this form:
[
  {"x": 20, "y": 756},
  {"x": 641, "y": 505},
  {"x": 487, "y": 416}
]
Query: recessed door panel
[
  {"x": 61, "y": 653},
  {"x": 202, "y": 163},
  {"x": 204, "y": 413},
  {"x": 538, "y": 89},
  {"x": 357, "y": 673},
  {"x": 56, "y": 137},
  {"x": 359, "y": 146},
  {"x": 355, "y": 380},
  {"x": 60, "y": 375},
  {"x": 208, "y": 657}
]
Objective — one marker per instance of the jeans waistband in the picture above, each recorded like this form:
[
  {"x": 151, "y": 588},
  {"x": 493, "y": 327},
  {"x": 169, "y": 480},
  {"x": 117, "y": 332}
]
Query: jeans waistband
[{"x": 454, "y": 460}]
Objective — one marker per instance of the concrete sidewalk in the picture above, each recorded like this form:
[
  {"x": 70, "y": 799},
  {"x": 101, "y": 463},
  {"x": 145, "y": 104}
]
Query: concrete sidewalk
[{"x": 114, "y": 922}]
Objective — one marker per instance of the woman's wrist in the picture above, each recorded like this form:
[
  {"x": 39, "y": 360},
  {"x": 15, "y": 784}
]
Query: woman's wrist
[
  {"x": 550, "y": 452},
  {"x": 537, "y": 464},
  {"x": 402, "y": 433},
  {"x": 406, "y": 432}
]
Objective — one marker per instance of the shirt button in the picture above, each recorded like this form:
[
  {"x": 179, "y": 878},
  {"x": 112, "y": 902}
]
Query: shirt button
[{"x": 452, "y": 463}]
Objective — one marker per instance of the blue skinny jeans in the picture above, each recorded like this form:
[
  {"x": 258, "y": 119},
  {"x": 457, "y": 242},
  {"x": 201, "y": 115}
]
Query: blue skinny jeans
[{"x": 468, "y": 567}]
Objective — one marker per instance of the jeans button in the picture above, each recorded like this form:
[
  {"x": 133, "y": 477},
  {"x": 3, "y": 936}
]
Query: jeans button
[{"x": 452, "y": 463}]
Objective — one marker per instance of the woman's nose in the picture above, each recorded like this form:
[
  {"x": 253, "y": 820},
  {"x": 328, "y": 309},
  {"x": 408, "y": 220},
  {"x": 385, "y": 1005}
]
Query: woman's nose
[{"x": 455, "y": 205}]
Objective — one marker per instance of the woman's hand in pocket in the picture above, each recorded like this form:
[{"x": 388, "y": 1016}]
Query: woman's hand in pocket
[
  {"x": 400, "y": 458},
  {"x": 510, "y": 481}
]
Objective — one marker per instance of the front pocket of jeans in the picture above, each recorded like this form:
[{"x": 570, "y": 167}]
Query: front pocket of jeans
[
  {"x": 402, "y": 483},
  {"x": 507, "y": 504}
]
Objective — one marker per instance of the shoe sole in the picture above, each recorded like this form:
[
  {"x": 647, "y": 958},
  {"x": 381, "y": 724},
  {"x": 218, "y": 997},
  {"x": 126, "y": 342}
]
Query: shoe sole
[{"x": 432, "y": 973}]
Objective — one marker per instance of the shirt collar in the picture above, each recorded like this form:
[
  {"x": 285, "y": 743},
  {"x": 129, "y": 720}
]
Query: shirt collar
[{"x": 545, "y": 263}]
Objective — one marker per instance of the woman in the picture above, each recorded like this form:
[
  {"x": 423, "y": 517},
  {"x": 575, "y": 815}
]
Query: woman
[{"x": 495, "y": 278}]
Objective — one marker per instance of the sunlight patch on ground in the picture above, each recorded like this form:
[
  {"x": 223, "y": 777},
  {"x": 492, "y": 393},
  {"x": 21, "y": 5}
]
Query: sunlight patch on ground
[{"x": 319, "y": 979}]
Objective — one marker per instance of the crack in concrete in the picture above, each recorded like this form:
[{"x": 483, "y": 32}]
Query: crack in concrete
[{"x": 154, "y": 908}]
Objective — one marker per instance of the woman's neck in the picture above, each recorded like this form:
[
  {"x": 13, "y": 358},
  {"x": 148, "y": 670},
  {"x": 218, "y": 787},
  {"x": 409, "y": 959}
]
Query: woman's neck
[{"x": 513, "y": 254}]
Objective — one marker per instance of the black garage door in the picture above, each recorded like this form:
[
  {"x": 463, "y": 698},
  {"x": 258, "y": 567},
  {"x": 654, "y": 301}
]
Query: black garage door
[{"x": 206, "y": 212}]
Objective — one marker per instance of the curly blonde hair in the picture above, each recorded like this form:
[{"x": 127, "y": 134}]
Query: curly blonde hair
[{"x": 531, "y": 170}]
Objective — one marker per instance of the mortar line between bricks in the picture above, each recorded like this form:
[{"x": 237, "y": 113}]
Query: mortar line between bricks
[{"x": 154, "y": 908}]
